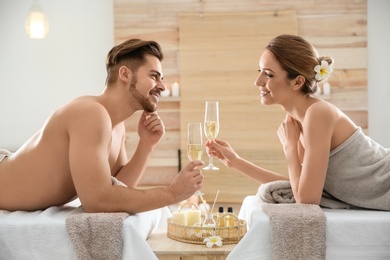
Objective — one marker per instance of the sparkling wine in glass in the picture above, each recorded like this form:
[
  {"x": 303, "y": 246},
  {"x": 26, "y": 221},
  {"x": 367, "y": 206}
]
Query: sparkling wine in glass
[
  {"x": 194, "y": 142},
  {"x": 195, "y": 145},
  {"x": 211, "y": 127}
]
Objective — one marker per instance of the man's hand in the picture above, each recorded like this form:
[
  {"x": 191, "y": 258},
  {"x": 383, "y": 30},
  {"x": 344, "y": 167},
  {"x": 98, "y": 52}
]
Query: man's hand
[
  {"x": 150, "y": 128},
  {"x": 187, "y": 181}
]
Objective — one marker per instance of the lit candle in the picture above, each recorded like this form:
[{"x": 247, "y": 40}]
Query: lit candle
[
  {"x": 179, "y": 217},
  {"x": 165, "y": 93},
  {"x": 193, "y": 217},
  {"x": 175, "y": 89}
]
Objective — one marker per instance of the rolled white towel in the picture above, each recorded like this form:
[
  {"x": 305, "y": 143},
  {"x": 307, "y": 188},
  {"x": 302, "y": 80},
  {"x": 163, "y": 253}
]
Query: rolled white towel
[{"x": 276, "y": 192}]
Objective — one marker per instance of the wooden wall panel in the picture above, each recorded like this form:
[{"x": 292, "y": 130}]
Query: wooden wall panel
[
  {"x": 220, "y": 64},
  {"x": 336, "y": 28}
]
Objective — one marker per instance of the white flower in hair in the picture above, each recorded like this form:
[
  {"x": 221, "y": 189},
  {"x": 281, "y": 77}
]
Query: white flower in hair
[{"x": 323, "y": 70}]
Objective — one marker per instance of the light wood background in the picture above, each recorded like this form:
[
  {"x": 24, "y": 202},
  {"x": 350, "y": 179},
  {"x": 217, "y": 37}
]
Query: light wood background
[
  {"x": 336, "y": 28},
  {"x": 219, "y": 56}
]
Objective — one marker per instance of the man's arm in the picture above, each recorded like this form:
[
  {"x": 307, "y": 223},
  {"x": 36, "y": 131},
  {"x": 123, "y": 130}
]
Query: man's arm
[
  {"x": 90, "y": 138},
  {"x": 150, "y": 130}
]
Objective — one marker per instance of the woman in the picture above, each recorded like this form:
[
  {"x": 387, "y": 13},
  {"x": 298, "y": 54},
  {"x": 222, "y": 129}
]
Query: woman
[{"x": 325, "y": 150}]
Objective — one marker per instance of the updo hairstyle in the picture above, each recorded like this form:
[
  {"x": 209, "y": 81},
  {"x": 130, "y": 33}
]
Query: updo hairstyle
[{"x": 298, "y": 57}]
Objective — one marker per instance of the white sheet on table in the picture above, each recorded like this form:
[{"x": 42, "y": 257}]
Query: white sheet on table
[
  {"x": 42, "y": 234},
  {"x": 351, "y": 234}
]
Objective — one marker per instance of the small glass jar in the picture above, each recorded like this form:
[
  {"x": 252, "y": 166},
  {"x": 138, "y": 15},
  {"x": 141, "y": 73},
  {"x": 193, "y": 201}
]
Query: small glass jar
[{"x": 209, "y": 220}]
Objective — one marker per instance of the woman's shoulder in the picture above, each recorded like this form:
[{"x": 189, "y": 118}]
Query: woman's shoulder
[
  {"x": 326, "y": 117},
  {"x": 323, "y": 109},
  {"x": 320, "y": 104}
]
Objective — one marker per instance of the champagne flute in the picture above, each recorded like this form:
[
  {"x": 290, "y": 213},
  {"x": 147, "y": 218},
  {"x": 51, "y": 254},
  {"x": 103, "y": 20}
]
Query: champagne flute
[
  {"x": 195, "y": 146},
  {"x": 194, "y": 142},
  {"x": 211, "y": 127}
]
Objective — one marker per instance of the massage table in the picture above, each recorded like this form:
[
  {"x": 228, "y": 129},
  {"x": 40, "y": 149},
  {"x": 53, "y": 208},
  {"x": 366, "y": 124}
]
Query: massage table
[
  {"x": 351, "y": 234},
  {"x": 43, "y": 235}
]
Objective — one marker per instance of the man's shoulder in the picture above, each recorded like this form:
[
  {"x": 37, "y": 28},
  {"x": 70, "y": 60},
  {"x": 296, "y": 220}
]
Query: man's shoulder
[
  {"x": 82, "y": 109},
  {"x": 83, "y": 105}
]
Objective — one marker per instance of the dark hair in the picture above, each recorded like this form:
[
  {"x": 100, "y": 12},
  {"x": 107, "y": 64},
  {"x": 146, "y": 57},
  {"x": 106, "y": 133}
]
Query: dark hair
[
  {"x": 132, "y": 54},
  {"x": 298, "y": 57}
]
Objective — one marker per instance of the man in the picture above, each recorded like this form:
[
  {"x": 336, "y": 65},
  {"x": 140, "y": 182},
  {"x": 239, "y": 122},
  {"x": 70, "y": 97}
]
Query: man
[{"x": 82, "y": 145}]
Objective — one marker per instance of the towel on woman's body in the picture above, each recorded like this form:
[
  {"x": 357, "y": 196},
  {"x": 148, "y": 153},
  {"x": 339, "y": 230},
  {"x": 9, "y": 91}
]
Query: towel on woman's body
[
  {"x": 359, "y": 173},
  {"x": 96, "y": 235}
]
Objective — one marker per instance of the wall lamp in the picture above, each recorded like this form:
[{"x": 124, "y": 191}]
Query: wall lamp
[{"x": 37, "y": 25}]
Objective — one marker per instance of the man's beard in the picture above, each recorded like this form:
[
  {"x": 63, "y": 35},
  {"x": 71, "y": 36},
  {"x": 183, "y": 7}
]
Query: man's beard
[{"x": 146, "y": 104}]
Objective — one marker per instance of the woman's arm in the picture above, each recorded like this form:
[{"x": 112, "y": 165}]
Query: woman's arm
[
  {"x": 225, "y": 153},
  {"x": 307, "y": 179}
]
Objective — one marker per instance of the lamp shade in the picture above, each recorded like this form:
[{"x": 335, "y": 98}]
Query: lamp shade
[{"x": 37, "y": 25}]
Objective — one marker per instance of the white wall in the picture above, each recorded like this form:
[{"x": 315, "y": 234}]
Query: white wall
[
  {"x": 379, "y": 71},
  {"x": 37, "y": 76}
]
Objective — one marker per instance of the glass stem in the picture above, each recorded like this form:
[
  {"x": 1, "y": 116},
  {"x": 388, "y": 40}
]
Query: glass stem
[{"x": 211, "y": 160}]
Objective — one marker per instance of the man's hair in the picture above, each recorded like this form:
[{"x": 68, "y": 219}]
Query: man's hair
[{"x": 130, "y": 53}]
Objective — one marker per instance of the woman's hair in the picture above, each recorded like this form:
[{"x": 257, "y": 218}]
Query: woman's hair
[
  {"x": 130, "y": 53},
  {"x": 298, "y": 57}
]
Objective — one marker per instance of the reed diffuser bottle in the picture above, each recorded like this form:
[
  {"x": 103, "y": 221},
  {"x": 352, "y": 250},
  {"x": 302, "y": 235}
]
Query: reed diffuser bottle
[{"x": 209, "y": 220}]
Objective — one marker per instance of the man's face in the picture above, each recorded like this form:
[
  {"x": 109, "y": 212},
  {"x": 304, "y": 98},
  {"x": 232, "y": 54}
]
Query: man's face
[{"x": 146, "y": 84}]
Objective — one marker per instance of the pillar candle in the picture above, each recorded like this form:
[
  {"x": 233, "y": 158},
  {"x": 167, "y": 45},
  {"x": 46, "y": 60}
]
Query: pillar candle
[
  {"x": 175, "y": 89},
  {"x": 326, "y": 89},
  {"x": 165, "y": 93},
  {"x": 179, "y": 217},
  {"x": 193, "y": 217}
]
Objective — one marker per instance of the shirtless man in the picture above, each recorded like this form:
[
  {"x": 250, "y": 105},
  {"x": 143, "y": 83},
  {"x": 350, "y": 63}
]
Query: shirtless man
[{"x": 82, "y": 145}]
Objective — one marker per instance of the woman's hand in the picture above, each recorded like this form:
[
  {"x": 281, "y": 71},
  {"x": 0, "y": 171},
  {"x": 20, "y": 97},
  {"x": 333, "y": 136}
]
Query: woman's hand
[
  {"x": 289, "y": 132},
  {"x": 222, "y": 150}
]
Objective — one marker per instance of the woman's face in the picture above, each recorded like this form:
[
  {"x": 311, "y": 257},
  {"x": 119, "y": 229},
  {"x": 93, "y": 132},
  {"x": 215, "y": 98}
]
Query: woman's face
[{"x": 272, "y": 81}]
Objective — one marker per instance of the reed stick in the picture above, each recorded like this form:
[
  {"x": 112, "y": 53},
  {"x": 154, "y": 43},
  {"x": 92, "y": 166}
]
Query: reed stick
[{"x": 215, "y": 200}]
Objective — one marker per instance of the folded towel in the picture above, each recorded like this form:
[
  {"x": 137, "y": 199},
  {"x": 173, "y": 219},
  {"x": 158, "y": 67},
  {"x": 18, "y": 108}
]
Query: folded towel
[
  {"x": 96, "y": 235},
  {"x": 276, "y": 192},
  {"x": 298, "y": 231},
  {"x": 281, "y": 192}
]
